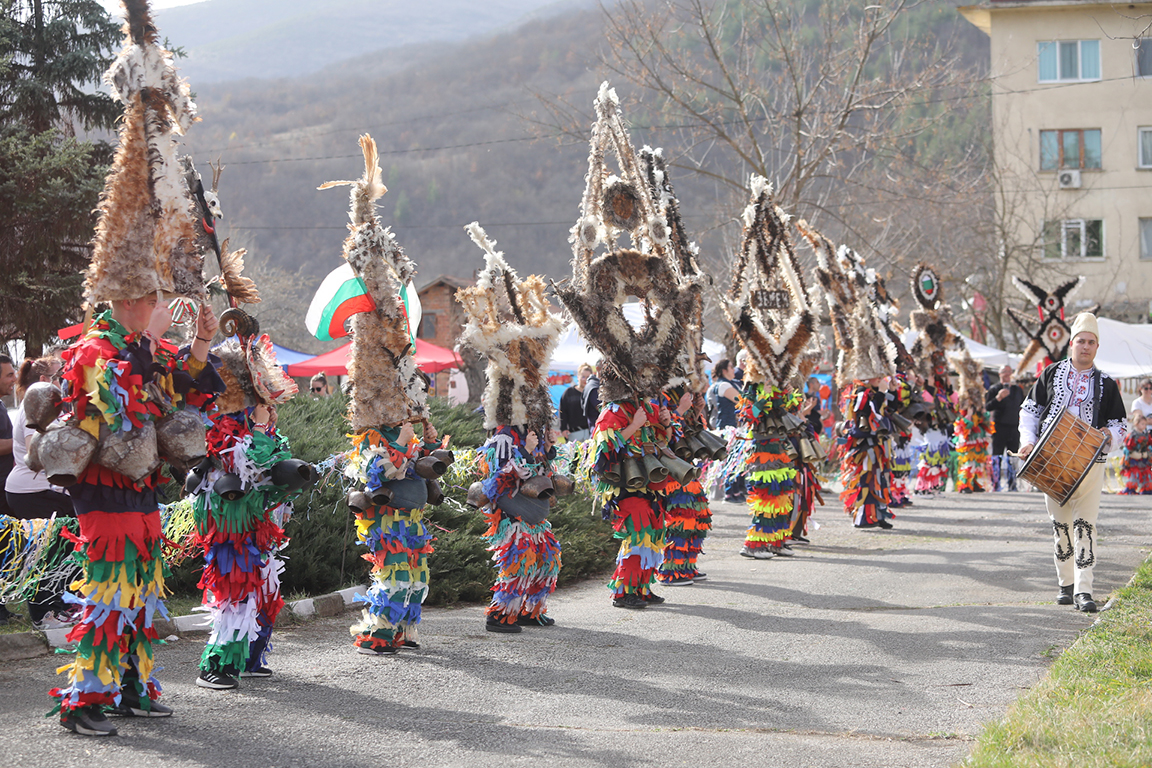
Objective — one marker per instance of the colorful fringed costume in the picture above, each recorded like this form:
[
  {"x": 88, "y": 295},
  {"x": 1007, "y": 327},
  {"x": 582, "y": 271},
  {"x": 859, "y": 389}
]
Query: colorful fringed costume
[
  {"x": 1136, "y": 466},
  {"x": 122, "y": 590},
  {"x": 526, "y": 553},
  {"x": 771, "y": 470},
  {"x": 687, "y": 520},
  {"x": 240, "y": 539},
  {"x": 973, "y": 432},
  {"x": 863, "y": 465},
  {"x": 637, "y": 516},
  {"x": 397, "y": 539}
]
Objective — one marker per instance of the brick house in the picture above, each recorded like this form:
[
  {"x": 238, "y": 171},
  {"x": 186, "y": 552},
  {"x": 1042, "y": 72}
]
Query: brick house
[{"x": 442, "y": 319}]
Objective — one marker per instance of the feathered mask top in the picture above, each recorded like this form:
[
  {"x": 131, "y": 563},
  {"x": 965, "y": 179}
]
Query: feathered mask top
[
  {"x": 638, "y": 363},
  {"x": 767, "y": 303},
  {"x": 387, "y": 388},
  {"x": 935, "y": 335},
  {"x": 510, "y": 323},
  {"x": 1049, "y": 338},
  {"x": 971, "y": 396},
  {"x": 146, "y": 235},
  {"x": 252, "y": 375},
  {"x": 864, "y": 349}
]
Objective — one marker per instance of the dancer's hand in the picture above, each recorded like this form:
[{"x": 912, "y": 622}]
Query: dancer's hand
[{"x": 1024, "y": 451}]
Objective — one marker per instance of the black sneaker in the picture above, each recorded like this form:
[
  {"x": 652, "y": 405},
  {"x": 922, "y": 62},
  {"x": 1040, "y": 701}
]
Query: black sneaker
[
  {"x": 885, "y": 525},
  {"x": 384, "y": 650},
  {"x": 216, "y": 681},
  {"x": 410, "y": 645},
  {"x": 678, "y": 581},
  {"x": 800, "y": 539},
  {"x": 131, "y": 706},
  {"x": 631, "y": 600},
  {"x": 495, "y": 625},
  {"x": 258, "y": 672},
  {"x": 88, "y": 721},
  {"x": 653, "y": 598},
  {"x": 699, "y": 576},
  {"x": 543, "y": 620}
]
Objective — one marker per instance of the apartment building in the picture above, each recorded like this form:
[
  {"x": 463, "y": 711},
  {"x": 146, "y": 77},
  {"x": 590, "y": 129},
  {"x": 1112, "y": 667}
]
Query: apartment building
[{"x": 1071, "y": 88}]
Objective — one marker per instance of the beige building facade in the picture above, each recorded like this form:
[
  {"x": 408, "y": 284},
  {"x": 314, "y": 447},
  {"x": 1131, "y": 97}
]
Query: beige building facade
[{"x": 1071, "y": 86}]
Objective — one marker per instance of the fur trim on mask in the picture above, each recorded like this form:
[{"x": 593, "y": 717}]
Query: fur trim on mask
[
  {"x": 936, "y": 335},
  {"x": 252, "y": 375},
  {"x": 146, "y": 235},
  {"x": 387, "y": 389},
  {"x": 1051, "y": 336},
  {"x": 510, "y": 323},
  {"x": 971, "y": 372}
]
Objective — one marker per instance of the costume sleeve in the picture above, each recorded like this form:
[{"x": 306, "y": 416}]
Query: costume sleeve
[
  {"x": 991, "y": 404},
  {"x": 1031, "y": 410},
  {"x": 1114, "y": 417}
]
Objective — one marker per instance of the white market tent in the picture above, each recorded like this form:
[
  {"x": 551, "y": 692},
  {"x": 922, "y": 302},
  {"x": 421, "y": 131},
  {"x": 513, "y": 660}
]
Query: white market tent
[
  {"x": 572, "y": 349},
  {"x": 989, "y": 357},
  {"x": 1125, "y": 349}
]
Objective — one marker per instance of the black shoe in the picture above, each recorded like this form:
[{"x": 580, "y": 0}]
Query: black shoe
[
  {"x": 799, "y": 539},
  {"x": 88, "y": 721},
  {"x": 885, "y": 525},
  {"x": 216, "y": 681},
  {"x": 543, "y": 620},
  {"x": 258, "y": 672},
  {"x": 495, "y": 625},
  {"x": 653, "y": 598},
  {"x": 131, "y": 706},
  {"x": 1084, "y": 602},
  {"x": 1064, "y": 597},
  {"x": 630, "y": 600},
  {"x": 412, "y": 644},
  {"x": 367, "y": 650},
  {"x": 699, "y": 576}
]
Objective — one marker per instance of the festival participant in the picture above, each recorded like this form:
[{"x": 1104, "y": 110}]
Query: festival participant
[
  {"x": 574, "y": 424},
  {"x": 809, "y": 454},
  {"x": 687, "y": 516},
  {"x": 972, "y": 427},
  {"x": 518, "y": 483},
  {"x": 1136, "y": 467},
  {"x": 1075, "y": 385},
  {"x": 241, "y": 501},
  {"x": 387, "y": 397},
  {"x": 1003, "y": 401}
]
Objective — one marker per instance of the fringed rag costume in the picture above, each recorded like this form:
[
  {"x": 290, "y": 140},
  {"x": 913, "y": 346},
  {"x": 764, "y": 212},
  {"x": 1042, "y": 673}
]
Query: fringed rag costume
[
  {"x": 1136, "y": 465},
  {"x": 972, "y": 429},
  {"x": 388, "y": 394},
  {"x": 637, "y": 362},
  {"x": 241, "y": 502},
  {"x": 510, "y": 323},
  {"x": 864, "y": 367}
]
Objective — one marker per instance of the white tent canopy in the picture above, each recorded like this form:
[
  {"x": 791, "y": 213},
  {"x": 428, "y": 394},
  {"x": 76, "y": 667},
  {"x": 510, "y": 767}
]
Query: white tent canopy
[
  {"x": 572, "y": 349},
  {"x": 989, "y": 357},
  {"x": 1125, "y": 349}
]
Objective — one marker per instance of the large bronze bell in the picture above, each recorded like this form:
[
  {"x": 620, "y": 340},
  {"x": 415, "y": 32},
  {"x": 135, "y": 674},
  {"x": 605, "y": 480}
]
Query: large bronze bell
[
  {"x": 900, "y": 423},
  {"x": 563, "y": 484},
  {"x": 717, "y": 450},
  {"x": 435, "y": 492},
  {"x": 229, "y": 487},
  {"x": 132, "y": 453},
  {"x": 635, "y": 478},
  {"x": 291, "y": 474},
  {"x": 408, "y": 493},
  {"x": 65, "y": 451},
  {"x": 612, "y": 474},
  {"x": 430, "y": 467},
  {"x": 180, "y": 438},
  {"x": 529, "y": 511},
  {"x": 195, "y": 477},
  {"x": 382, "y": 496},
  {"x": 32, "y": 454},
  {"x": 358, "y": 501},
  {"x": 444, "y": 455},
  {"x": 476, "y": 496},
  {"x": 700, "y": 449},
  {"x": 681, "y": 448},
  {"x": 657, "y": 472},
  {"x": 792, "y": 422},
  {"x": 681, "y": 471},
  {"x": 538, "y": 487},
  {"x": 43, "y": 402}
]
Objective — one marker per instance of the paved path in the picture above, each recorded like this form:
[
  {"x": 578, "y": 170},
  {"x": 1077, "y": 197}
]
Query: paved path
[{"x": 866, "y": 649}]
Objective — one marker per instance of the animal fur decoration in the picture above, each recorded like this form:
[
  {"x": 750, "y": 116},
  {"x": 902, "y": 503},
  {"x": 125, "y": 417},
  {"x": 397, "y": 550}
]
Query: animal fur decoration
[
  {"x": 387, "y": 387},
  {"x": 241, "y": 288},
  {"x": 693, "y": 361},
  {"x": 935, "y": 334},
  {"x": 971, "y": 397},
  {"x": 509, "y": 322},
  {"x": 767, "y": 303},
  {"x": 1049, "y": 339},
  {"x": 252, "y": 375},
  {"x": 637, "y": 363},
  {"x": 146, "y": 237},
  {"x": 864, "y": 348},
  {"x": 887, "y": 309}
]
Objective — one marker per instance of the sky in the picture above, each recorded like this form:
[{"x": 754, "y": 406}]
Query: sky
[{"x": 113, "y": 6}]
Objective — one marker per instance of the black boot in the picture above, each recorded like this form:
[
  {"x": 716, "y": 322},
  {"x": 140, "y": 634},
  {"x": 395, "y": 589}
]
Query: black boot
[{"x": 1064, "y": 597}]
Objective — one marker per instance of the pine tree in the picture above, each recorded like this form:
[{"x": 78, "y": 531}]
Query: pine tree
[{"x": 52, "y": 54}]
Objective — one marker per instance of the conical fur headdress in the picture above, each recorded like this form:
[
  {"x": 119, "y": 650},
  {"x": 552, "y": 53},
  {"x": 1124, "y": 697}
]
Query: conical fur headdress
[
  {"x": 510, "y": 323},
  {"x": 1050, "y": 338},
  {"x": 146, "y": 237},
  {"x": 637, "y": 363},
  {"x": 865, "y": 351},
  {"x": 387, "y": 388},
  {"x": 935, "y": 334},
  {"x": 971, "y": 389},
  {"x": 767, "y": 303},
  {"x": 252, "y": 375}
]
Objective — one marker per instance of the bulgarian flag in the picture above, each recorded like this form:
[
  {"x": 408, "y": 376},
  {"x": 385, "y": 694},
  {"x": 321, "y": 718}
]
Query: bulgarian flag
[{"x": 343, "y": 294}]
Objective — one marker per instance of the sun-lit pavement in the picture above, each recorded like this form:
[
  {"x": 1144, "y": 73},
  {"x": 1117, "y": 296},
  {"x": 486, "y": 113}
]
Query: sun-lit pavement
[{"x": 865, "y": 649}]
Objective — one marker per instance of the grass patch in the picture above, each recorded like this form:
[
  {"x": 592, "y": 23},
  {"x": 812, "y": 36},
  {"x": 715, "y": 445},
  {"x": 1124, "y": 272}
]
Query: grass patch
[{"x": 1094, "y": 708}]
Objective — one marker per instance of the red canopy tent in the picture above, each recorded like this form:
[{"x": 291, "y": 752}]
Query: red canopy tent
[{"x": 429, "y": 357}]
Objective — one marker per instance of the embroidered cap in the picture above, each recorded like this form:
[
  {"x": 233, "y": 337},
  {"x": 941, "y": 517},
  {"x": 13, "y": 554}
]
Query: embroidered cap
[{"x": 1085, "y": 322}]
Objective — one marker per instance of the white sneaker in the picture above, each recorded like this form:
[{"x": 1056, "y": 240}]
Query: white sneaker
[{"x": 52, "y": 620}]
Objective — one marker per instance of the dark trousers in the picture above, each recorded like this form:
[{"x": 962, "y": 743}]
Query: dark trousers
[{"x": 1005, "y": 438}]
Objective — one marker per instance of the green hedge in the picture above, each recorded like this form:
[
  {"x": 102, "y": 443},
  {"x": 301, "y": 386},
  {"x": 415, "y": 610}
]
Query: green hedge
[{"x": 324, "y": 555}]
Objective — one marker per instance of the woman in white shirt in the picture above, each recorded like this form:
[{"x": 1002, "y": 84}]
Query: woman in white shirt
[
  {"x": 31, "y": 496},
  {"x": 1143, "y": 404}
]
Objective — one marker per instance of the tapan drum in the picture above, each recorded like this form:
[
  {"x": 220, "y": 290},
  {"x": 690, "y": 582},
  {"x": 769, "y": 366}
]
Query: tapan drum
[{"x": 1062, "y": 457}]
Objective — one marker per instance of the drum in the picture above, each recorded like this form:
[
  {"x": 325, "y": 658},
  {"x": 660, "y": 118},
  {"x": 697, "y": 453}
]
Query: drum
[{"x": 1062, "y": 457}]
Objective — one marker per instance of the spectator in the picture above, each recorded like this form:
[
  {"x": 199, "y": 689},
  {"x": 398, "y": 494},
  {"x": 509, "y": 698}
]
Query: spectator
[
  {"x": 1143, "y": 404},
  {"x": 810, "y": 408},
  {"x": 1003, "y": 401},
  {"x": 30, "y": 496},
  {"x": 592, "y": 398},
  {"x": 573, "y": 420},
  {"x": 319, "y": 386},
  {"x": 722, "y": 395},
  {"x": 7, "y": 381}
]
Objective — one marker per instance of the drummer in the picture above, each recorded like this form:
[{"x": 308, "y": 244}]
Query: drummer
[{"x": 1077, "y": 386}]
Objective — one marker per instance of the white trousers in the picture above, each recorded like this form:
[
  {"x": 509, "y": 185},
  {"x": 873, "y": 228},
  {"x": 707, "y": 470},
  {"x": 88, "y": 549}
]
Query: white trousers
[{"x": 1074, "y": 531}]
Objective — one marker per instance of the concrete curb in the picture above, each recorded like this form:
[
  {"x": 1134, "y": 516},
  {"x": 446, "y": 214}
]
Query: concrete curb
[{"x": 27, "y": 645}]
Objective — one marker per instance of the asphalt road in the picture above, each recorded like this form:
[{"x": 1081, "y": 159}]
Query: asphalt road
[{"x": 867, "y": 648}]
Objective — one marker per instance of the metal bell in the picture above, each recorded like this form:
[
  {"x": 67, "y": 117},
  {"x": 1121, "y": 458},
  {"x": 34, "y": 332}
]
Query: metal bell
[
  {"x": 717, "y": 449},
  {"x": 700, "y": 449},
  {"x": 476, "y": 496},
  {"x": 681, "y": 448},
  {"x": 538, "y": 487},
  {"x": 195, "y": 477},
  {"x": 430, "y": 467},
  {"x": 635, "y": 478},
  {"x": 229, "y": 487},
  {"x": 563, "y": 484},
  {"x": 43, "y": 402},
  {"x": 435, "y": 492},
  {"x": 680, "y": 470},
  {"x": 382, "y": 497},
  {"x": 612, "y": 474},
  {"x": 407, "y": 493},
  {"x": 32, "y": 454},
  {"x": 290, "y": 473},
  {"x": 444, "y": 455},
  {"x": 358, "y": 501},
  {"x": 657, "y": 472}
]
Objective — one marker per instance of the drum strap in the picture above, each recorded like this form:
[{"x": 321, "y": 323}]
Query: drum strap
[{"x": 1098, "y": 395}]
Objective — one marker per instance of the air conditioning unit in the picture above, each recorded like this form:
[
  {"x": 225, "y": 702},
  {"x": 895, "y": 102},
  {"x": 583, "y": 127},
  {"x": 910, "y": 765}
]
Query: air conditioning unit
[{"x": 1069, "y": 179}]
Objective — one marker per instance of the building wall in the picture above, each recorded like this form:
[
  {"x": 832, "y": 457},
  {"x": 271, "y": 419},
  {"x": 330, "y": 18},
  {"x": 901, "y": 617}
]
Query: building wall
[
  {"x": 439, "y": 300},
  {"x": 1118, "y": 104}
]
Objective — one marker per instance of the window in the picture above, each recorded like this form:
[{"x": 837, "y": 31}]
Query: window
[
  {"x": 427, "y": 328},
  {"x": 1144, "y": 58},
  {"x": 1068, "y": 60},
  {"x": 1146, "y": 239},
  {"x": 1145, "y": 138},
  {"x": 1079, "y": 148},
  {"x": 1073, "y": 239}
]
